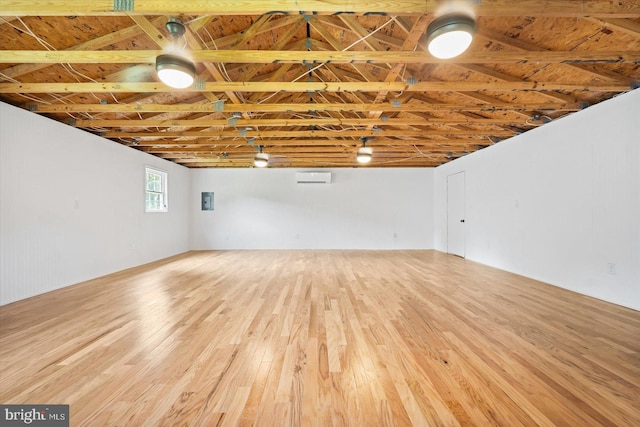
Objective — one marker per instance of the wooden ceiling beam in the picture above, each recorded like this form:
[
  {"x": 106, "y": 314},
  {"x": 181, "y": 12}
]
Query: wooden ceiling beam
[
  {"x": 299, "y": 107},
  {"x": 416, "y": 32},
  {"x": 196, "y": 46},
  {"x": 322, "y": 163},
  {"x": 626, "y": 26},
  {"x": 364, "y": 36},
  {"x": 96, "y": 43},
  {"x": 525, "y": 46},
  {"x": 288, "y": 159},
  {"x": 597, "y": 8},
  {"x": 465, "y": 86},
  {"x": 346, "y": 155},
  {"x": 319, "y": 26},
  {"x": 316, "y": 57},
  {"x": 250, "y": 32},
  {"x": 226, "y": 41},
  {"x": 303, "y": 133},
  {"x": 281, "y": 149},
  {"x": 293, "y": 122},
  {"x": 426, "y": 141},
  {"x": 476, "y": 68},
  {"x": 151, "y": 31},
  {"x": 342, "y": 75},
  {"x": 279, "y": 44}
]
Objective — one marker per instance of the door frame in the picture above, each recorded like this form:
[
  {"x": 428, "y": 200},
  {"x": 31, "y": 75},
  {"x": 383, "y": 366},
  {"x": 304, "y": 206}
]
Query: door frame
[{"x": 460, "y": 220}]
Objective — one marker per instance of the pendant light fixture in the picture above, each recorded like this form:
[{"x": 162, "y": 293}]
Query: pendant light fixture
[
  {"x": 450, "y": 35},
  {"x": 175, "y": 70},
  {"x": 261, "y": 159},
  {"x": 364, "y": 152}
]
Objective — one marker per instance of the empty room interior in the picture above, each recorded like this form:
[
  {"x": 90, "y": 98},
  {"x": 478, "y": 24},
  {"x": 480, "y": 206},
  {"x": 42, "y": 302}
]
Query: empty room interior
[{"x": 320, "y": 213}]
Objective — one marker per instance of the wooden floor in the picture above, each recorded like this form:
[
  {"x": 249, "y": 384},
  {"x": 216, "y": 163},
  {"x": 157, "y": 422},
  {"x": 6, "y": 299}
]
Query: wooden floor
[{"x": 320, "y": 338}]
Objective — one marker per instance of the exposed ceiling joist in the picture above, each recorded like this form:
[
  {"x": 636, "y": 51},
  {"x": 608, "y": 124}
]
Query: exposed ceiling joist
[
  {"x": 311, "y": 87},
  {"x": 301, "y": 133},
  {"x": 125, "y": 87},
  {"x": 598, "y": 8},
  {"x": 230, "y": 108},
  {"x": 315, "y": 57},
  {"x": 306, "y": 121},
  {"x": 227, "y": 144}
]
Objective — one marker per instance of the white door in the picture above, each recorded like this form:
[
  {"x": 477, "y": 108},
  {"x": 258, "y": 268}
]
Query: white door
[{"x": 455, "y": 214}]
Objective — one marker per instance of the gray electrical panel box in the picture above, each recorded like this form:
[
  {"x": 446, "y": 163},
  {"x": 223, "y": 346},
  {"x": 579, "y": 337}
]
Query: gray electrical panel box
[{"x": 207, "y": 200}]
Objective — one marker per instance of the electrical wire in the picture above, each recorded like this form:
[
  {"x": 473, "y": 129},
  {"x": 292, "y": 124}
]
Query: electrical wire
[
  {"x": 48, "y": 46},
  {"x": 392, "y": 19},
  {"x": 10, "y": 79}
]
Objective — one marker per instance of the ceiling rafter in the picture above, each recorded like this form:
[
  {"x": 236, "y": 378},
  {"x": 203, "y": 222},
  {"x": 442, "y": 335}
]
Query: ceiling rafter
[
  {"x": 299, "y": 134},
  {"x": 309, "y": 97},
  {"x": 418, "y": 29},
  {"x": 465, "y": 86},
  {"x": 117, "y": 36},
  {"x": 299, "y": 107},
  {"x": 281, "y": 42},
  {"x": 318, "y": 25},
  {"x": 627, "y": 26},
  {"x": 398, "y": 144},
  {"x": 521, "y": 45},
  {"x": 596, "y": 8},
  {"x": 317, "y": 57}
]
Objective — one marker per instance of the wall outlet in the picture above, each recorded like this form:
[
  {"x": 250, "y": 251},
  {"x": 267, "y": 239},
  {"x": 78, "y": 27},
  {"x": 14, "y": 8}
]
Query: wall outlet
[{"x": 611, "y": 268}]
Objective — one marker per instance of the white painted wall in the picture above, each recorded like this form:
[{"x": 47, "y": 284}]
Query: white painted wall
[
  {"x": 72, "y": 206},
  {"x": 363, "y": 208},
  {"x": 559, "y": 203}
]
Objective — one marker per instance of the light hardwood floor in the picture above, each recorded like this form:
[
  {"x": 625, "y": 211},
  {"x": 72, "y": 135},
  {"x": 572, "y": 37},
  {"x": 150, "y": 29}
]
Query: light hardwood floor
[{"x": 320, "y": 338}]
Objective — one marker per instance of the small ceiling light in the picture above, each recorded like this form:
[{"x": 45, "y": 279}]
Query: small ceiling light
[
  {"x": 364, "y": 153},
  {"x": 450, "y": 35},
  {"x": 261, "y": 159},
  {"x": 174, "y": 70}
]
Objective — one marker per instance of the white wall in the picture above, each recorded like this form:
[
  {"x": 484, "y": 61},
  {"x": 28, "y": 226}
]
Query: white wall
[
  {"x": 362, "y": 208},
  {"x": 72, "y": 206},
  {"x": 560, "y": 203}
]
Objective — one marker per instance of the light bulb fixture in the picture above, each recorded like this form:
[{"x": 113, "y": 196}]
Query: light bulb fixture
[
  {"x": 174, "y": 70},
  {"x": 450, "y": 35},
  {"x": 261, "y": 159},
  {"x": 364, "y": 153}
]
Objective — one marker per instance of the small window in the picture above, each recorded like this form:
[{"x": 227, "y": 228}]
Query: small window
[{"x": 155, "y": 190}]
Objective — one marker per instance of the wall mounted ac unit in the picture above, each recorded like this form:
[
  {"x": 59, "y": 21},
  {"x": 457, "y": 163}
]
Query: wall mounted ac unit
[{"x": 313, "y": 177}]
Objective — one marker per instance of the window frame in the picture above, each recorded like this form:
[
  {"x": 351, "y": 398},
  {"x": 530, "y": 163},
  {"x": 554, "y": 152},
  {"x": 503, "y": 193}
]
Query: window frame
[{"x": 163, "y": 192}]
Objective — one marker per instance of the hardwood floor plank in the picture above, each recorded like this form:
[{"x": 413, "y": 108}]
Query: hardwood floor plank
[{"x": 317, "y": 338}]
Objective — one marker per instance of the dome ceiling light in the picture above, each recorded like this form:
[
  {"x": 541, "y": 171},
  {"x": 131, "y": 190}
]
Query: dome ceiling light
[
  {"x": 261, "y": 159},
  {"x": 450, "y": 35}
]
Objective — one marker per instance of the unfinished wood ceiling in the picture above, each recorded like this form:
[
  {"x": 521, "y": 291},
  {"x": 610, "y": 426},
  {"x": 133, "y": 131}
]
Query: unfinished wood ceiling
[{"x": 308, "y": 81}]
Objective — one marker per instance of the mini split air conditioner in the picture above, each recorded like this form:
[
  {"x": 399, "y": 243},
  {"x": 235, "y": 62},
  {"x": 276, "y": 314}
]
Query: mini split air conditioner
[{"x": 313, "y": 177}]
